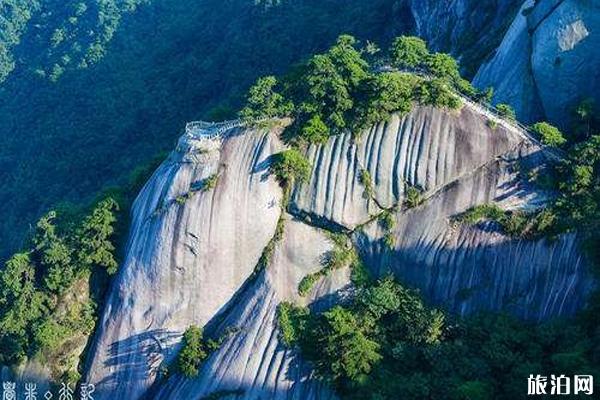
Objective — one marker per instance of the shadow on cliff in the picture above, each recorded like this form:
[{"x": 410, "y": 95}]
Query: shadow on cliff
[
  {"x": 476, "y": 268},
  {"x": 134, "y": 354}
]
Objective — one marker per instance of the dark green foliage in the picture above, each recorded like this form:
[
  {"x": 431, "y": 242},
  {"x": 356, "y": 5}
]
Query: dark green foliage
[
  {"x": 548, "y": 134},
  {"x": 339, "y": 91},
  {"x": 33, "y": 283},
  {"x": 347, "y": 342},
  {"x": 387, "y": 220},
  {"x": 506, "y": 111},
  {"x": 387, "y": 341},
  {"x": 210, "y": 183},
  {"x": 364, "y": 177},
  {"x": 314, "y": 130},
  {"x": 71, "y": 35},
  {"x": 586, "y": 121},
  {"x": 95, "y": 247},
  {"x": 342, "y": 255},
  {"x": 134, "y": 102},
  {"x": 408, "y": 52},
  {"x": 413, "y": 197},
  {"x": 348, "y": 349},
  {"x": 381, "y": 95},
  {"x": 290, "y": 166},
  {"x": 443, "y": 66},
  {"x": 264, "y": 102},
  {"x": 193, "y": 352},
  {"x": 438, "y": 93},
  {"x": 329, "y": 81},
  {"x": 267, "y": 254},
  {"x": 291, "y": 322},
  {"x": 307, "y": 283},
  {"x": 515, "y": 223},
  {"x": 578, "y": 205}
]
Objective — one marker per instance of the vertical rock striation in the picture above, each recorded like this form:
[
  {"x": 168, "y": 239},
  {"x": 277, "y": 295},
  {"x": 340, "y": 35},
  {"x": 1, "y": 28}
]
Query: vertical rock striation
[
  {"x": 190, "y": 250},
  {"x": 252, "y": 364},
  {"x": 193, "y": 252},
  {"x": 428, "y": 148},
  {"x": 547, "y": 63},
  {"x": 470, "y": 268}
]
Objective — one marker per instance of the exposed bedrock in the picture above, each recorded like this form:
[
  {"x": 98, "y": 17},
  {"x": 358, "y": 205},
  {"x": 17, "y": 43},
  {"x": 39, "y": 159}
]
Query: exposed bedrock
[
  {"x": 190, "y": 250},
  {"x": 193, "y": 249},
  {"x": 469, "y": 29},
  {"x": 469, "y": 268},
  {"x": 547, "y": 62},
  {"x": 427, "y": 148},
  {"x": 252, "y": 364}
]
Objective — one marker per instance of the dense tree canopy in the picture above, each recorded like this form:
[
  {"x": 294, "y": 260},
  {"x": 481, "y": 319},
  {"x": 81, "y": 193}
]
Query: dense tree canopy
[
  {"x": 340, "y": 90},
  {"x": 32, "y": 283}
]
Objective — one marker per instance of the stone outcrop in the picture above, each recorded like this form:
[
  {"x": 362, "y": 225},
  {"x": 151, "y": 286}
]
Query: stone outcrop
[
  {"x": 468, "y": 268},
  {"x": 193, "y": 253},
  {"x": 547, "y": 62},
  {"x": 427, "y": 148},
  {"x": 252, "y": 363},
  {"x": 189, "y": 251}
]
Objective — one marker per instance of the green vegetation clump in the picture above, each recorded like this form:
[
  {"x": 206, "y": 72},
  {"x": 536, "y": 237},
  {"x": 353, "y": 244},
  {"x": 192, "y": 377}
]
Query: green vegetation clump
[
  {"x": 515, "y": 223},
  {"x": 548, "y": 134},
  {"x": 342, "y": 255},
  {"x": 290, "y": 166},
  {"x": 413, "y": 197},
  {"x": 437, "y": 93},
  {"x": 307, "y": 283},
  {"x": 578, "y": 183},
  {"x": 263, "y": 101},
  {"x": 346, "y": 342},
  {"x": 210, "y": 183},
  {"x": 70, "y": 37},
  {"x": 387, "y": 222},
  {"x": 386, "y": 340},
  {"x": 364, "y": 177},
  {"x": 291, "y": 321},
  {"x": 339, "y": 90},
  {"x": 506, "y": 111},
  {"x": 193, "y": 352},
  {"x": 315, "y": 130},
  {"x": 409, "y": 52},
  {"x": 45, "y": 301}
]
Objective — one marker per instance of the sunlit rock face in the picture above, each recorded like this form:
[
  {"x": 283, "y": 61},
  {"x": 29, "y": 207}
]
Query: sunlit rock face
[
  {"x": 428, "y": 149},
  {"x": 252, "y": 363},
  {"x": 189, "y": 251},
  {"x": 193, "y": 253},
  {"x": 469, "y": 29},
  {"x": 469, "y": 268},
  {"x": 548, "y": 61}
]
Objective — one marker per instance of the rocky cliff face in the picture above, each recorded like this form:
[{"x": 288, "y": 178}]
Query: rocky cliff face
[
  {"x": 190, "y": 250},
  {"x": 547, "y": 62},
  {"x": 469, "y": 29},
  {"x": 193, "y": 252}
]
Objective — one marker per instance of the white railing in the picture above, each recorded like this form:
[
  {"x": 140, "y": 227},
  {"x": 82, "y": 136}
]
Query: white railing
[
  {"x": 211, "y": 130},
  {"x": 487, "y": 110}
]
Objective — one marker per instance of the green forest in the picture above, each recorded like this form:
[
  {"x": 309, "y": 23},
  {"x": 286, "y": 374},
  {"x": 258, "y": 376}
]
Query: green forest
[
  {"x": 76, "y": 147},
  {"x": 387, "y": 340},
  {"x": 156, "y": 67}
]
